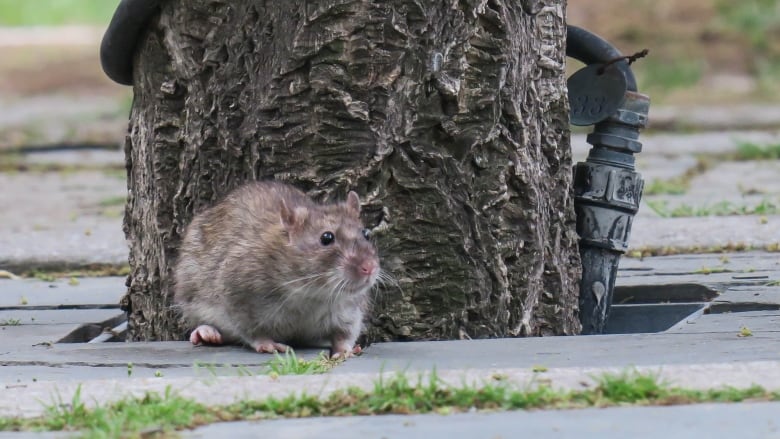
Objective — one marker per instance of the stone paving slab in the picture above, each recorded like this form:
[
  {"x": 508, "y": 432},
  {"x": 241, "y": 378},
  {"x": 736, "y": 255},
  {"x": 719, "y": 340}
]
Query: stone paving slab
[
  {"x": 750, "y": 294},
  {"x": 758, "y": 177},
  {"x": 704, "y": 232},
  {"x": 686, "y": 347},
  {"x": 717, "y": 343},
  {"x": 718, "y": 118},
  {"x": 624, "y": 350},
  {"x": 718, "y": 282},
  {"x": 738, "y": 186},
  {"x": 110, "y": 158},
  {"x": 61, "y": 293},
  {"x": 731, "y": 323},
  {"x": 677, "y": 422},
  {"x": 48, "y": 109},
  {"x": 88, "y": 242},
  {"x": 39, "y": 317},
  {"x": 14, "y": 375},
  {"x": 43, "y": 200},
  {"x": 754, "y": 262},
  {"x": 158, "y": 355},
  {"x": 36, "y": 435},
  {"x": 36, "y": 312},
  {"x": 661, "y": 167},
  {"x": 56, "y": 219},
  {"x": 79, "y": 361},
  {"x": 27, "y": 335},
  {"x": 675, "y": 144}
]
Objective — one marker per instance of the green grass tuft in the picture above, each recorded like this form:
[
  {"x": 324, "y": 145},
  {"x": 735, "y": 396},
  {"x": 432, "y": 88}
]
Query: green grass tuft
[
  {"x": 113, "y": 201},
  {"x": 723, "y": 208},
  {"x": 672, "y": 186},
  {"x": 291, "y": 364},
  {"x": 754, "y": 151},
  {"x": 395, "y": 395}
]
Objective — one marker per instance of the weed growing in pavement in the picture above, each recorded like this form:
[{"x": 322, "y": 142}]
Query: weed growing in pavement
[
  {"x": 754, "y": 151},
  {"x": 723, "y": 208},
  {"x": 396, "y": 395}
]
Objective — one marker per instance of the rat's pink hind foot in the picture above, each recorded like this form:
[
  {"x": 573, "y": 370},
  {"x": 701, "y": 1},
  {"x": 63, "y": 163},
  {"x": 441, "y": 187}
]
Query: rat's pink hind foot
[
  {"x": 205, "y": 334},
  {"x": 269, "y": 346}
]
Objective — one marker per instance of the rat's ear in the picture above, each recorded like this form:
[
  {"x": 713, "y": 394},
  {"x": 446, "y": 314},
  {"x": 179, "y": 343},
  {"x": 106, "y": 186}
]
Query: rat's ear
[
  {"x": 292, "y": 218},
  {"x": 353, "y": 203}
]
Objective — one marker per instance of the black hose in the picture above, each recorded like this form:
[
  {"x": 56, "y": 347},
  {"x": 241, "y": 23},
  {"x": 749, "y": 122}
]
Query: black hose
[
  {"x": 119, "y": 42},
  {"x": 592, "y": 49}
]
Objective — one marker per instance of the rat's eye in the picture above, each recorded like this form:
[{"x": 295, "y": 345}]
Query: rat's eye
[
  {"x": 366, "y": 234},
  {"x": 327, "y": 238}
]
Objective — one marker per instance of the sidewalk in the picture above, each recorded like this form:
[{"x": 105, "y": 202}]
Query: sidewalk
[
  {"x": 703, "y": 351},
  {"x": 84, "y": 204}
]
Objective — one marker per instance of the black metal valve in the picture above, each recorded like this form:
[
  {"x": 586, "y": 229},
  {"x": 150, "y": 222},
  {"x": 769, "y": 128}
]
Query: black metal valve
[{"x": 607, "y": 188}]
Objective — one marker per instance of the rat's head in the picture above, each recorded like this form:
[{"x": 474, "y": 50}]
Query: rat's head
[{"x": 335, "y": 245}]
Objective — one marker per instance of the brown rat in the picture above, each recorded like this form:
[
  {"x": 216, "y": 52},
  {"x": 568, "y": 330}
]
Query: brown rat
[{"x": 269, "y": 267}]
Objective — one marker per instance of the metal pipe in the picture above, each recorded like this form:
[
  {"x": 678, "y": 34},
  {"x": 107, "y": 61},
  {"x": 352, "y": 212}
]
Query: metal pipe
[
  {"x": 592, "y": 49},
  {"x": 607, "y": 189}
]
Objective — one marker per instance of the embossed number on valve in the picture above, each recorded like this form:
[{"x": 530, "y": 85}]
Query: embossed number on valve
[{"x": 595, "y": 95}]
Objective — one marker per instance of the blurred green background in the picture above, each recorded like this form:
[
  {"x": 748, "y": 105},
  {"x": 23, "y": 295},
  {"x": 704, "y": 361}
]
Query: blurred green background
[
  {"x": 55, "y": 12},
  {"x": 701, "y": 51}
]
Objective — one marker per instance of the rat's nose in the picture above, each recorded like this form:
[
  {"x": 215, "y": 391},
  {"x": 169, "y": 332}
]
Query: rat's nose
[{"x": 367, "y": 268}]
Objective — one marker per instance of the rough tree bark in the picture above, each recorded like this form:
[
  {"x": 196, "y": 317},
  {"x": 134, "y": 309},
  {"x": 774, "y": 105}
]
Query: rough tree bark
[{"x": 448, "y": 117}]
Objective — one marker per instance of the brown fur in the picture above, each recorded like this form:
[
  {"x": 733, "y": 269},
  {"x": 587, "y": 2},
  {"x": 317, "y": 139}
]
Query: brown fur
[{"x": 253, "y": 266}]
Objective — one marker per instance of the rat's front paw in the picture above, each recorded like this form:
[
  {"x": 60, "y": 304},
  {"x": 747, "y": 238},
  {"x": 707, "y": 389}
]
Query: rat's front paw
[
  {"x": 266, "y": 345},
  {"x": 344, "y": 351},
  {"x": 205, "y": 334}
]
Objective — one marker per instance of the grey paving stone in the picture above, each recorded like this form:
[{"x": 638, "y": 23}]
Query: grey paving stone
[
  {"x": 146, "y": 354},
  {"x": 737, "y": 186},
  {"x": 732, "y": 323},
  {"x": 663, "y": 167},
  {"x": 750, "y": 294},
  {"x": 719, "y": 282},
  {"x": 36, "y": 435},
  {"x": 649, "y": 232},
  {"x": 718, "y": 118},
  {"x": 61, "y": 219},
  {"x": 731, "y": 180},
  {"x": 74, "y": 373},
  {"x": 82, "y": 157},
  {"x": 754, "y": 261},
  {"x": 677, "y": 144},
  {"x": 683, "y": 422},
  {"x": 30, "y": 335},
  {"x": 55, "y": 317},
  {"x": 584, "y": 351},
  {"x": 27, "y": 293},
  {"x": 41, "y": 108}
]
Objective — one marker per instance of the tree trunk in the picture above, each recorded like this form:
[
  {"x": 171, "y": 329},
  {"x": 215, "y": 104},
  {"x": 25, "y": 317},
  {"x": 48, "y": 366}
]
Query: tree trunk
[{"x": 449, "y": 118}]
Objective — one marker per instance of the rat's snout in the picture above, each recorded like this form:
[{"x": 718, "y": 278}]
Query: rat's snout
[
  {"x": 362, "y": 269},
  {"x": 368, "y": 267}
]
